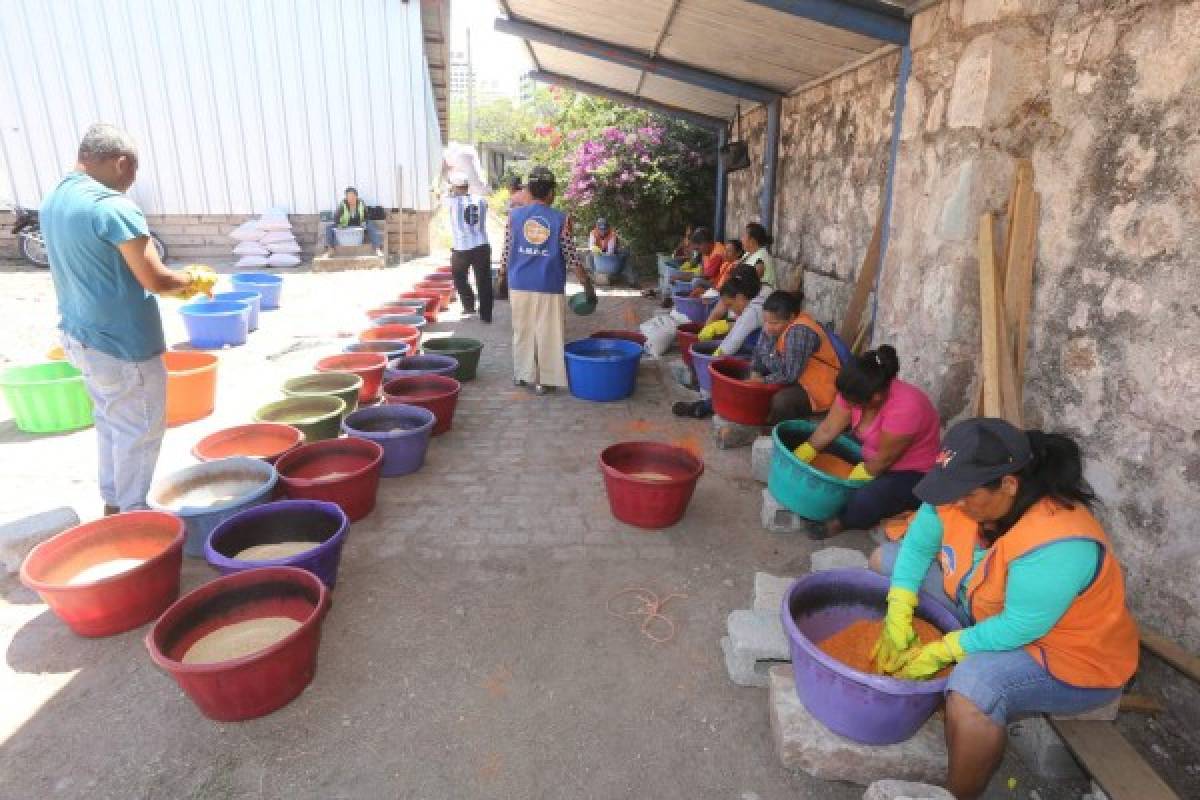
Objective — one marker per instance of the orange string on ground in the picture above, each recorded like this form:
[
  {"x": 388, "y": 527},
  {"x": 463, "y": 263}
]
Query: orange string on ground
[
  {"x": 852, "y": 645},
  {"x": 649, "y": 608}
]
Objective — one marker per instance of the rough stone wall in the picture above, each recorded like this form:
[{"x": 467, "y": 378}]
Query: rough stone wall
[
  {"x": 834, "y": 146},
  {"x": 1103, "y": 96}
]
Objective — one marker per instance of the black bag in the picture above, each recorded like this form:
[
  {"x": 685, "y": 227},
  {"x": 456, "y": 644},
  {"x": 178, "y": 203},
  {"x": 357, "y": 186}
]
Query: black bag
[
  {"x": 376, "y": 213},
  {"x": 736, "y": 154}
]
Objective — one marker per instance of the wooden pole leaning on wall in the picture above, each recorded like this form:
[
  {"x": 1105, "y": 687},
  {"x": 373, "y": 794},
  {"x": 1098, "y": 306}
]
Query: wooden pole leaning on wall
[{"x": 854, "y": 327}]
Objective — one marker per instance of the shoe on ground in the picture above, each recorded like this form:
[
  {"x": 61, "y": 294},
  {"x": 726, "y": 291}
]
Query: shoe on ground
[
  {"x": 683, "y": 408},
  {"x": 817, "y": 531},
  {"x": 110, "y": 510},
  {"x": 542, "y": 390},
  {"x": 519, "y": 382},
  {"x": 701, "y": 410}
]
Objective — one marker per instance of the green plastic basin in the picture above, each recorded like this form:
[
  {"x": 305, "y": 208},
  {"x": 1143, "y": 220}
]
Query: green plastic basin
[
  {"x": 804, "y": 489},
  {"x": 466, "y": 350},
  {"x": 316, "y": 416},
  {"x": 47, "y": 398},
  {"x": 346, "y": 386}
]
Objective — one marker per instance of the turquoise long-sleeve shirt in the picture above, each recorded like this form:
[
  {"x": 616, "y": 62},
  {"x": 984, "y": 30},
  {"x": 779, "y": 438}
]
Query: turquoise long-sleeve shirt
[{"x": 1041, "y": 585}]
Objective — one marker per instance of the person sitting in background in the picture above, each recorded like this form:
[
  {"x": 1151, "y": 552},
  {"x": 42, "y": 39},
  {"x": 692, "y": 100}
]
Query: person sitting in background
[
  {"x": 352, "y": 213},
  {"x": 795, "y": 352},
  {"x": 712, "y": 258},
  {"x": 735, "y": 254},
  {"x": 684, "y": 250},
  {"x": 900, "y": 433},
  {"x": 744, "y": 295},
  {"x": 756, "y": 240},
  {"x": 603, "y": 239},
  {"x": 1006, "y": 541}
]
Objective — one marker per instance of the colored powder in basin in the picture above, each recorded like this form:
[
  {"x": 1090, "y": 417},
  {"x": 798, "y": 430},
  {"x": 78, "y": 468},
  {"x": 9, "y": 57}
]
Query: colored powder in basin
[
  {"x": 650, "y": 476},
  {"x": 213, "y": 494},
  {"x": 105, "y": 569},
  {"x": 832, "y": 465},
  {"x": 852, "y": 645},
  {"x": 267, "y": 552},
  {"x": 239, "y": 639}
]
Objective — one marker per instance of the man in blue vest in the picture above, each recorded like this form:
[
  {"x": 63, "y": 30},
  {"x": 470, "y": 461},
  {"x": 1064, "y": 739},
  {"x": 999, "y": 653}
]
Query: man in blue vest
[{"x": 538, "y": 247}]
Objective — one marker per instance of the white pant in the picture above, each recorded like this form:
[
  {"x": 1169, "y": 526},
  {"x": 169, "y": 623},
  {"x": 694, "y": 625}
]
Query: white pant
[
  {"x": 539, "y": 323},
  {"x": 130, "y": 409}
]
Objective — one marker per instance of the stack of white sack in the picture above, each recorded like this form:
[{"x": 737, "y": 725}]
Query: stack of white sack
[{"x": 266, "y": 242}]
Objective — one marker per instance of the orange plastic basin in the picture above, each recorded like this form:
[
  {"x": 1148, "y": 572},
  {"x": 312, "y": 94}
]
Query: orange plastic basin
[
  {"x": 393, "y": 333},
  {"x": 265, "y": 440},
  {"x": 191, "y": 385},
  {"x": 445, "y": 291}
]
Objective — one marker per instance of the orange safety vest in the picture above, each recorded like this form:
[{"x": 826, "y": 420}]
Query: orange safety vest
[
  {"x": 602, "y": 241},
  {"x": 822, "y": 368},
  {"x": 1094, "y": 644}
]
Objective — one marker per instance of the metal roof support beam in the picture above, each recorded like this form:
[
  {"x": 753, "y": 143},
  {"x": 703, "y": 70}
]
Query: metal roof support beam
[
  {"x": 722, "y": 186},
  {"x": 606, "y": 51},
  {"x": 577, "y": 85},
  {"x": 886, "y": 23},
  {"x": 766, "y": 197}
]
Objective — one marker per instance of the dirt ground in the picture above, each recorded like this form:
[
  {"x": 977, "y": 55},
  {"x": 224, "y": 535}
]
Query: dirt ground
[{"x": 468, "y": 653}]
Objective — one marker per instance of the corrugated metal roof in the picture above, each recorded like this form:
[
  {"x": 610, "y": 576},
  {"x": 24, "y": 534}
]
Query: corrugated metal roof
[{"x": 743, "y": 40}]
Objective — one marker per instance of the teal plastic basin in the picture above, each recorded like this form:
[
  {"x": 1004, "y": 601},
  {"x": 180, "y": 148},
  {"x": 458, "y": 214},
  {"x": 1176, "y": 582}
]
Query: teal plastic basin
[{"x": 801, "y": 488}]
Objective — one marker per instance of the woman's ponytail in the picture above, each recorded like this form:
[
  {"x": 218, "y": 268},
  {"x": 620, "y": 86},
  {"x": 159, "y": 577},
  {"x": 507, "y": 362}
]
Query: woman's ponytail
[{"x": 1055, "y": 471}]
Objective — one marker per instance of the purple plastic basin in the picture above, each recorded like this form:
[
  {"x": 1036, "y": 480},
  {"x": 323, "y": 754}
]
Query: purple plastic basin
[
  {"x": 402, "y": 431},
  {"x": 872, "y": 709},
  {"x": 428, "y": 364},
  {"x": 696, "y": 309},
  {"x": 282, "y": 521},
  {"x": 702, "y": 356}
]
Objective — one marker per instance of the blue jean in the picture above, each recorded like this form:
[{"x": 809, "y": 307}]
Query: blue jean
[
  {"x": 886, "y": 496},
  {"x": 1004, "y": 685},
  {"x": 372, "y": 234},
  {"x": 129, "y": 401}
]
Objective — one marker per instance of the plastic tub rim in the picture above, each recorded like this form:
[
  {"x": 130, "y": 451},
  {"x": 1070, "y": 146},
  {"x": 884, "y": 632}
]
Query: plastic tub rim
[
  {"x": 325, "y": 444},
  {"x": 196, "y": 447},
  {"x": 336, "y": 511},
  {"x": 38, "y": 585},
  {"x": 6, "y": 383},
  {"x": 253, "y": 464},
  {"x": 192, "y": 370},
  {"x": 429, "y": 419},
  {"x": 611, "y": 470},
  {"x": 319, "y": 609},
  {"x": 809, "y": 468}
]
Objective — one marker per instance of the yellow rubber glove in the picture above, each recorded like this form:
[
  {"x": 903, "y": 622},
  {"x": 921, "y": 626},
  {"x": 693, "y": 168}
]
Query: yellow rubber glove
[
  {"x": 805, "y": 452},
  {"x": 859, "y": 473},
  {"x": 933, "y": 658},
  {"x": 712, "y": 330},
  {"x": 717, "y": 353},
  {"x": 897, "y": 637},
  {"x": 201, "y": 280}
]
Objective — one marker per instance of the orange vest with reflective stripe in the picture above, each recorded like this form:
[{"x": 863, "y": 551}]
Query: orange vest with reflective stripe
[
  {"x": 822, "y": 368},
  {"x": 1094, "y": 644}
]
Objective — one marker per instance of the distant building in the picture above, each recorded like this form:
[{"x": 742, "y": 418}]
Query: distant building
[{"x": 487, "y": 87}]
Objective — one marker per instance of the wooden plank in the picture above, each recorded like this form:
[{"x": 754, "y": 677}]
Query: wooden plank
[
  {"x": 852, "y": 323},
  {"x": 1018, "y": 278},
  {"x": 1171, "y": 653},
  {"x": 989, "y": 322},
  {"x": 1112, "y": 761},
  {"x": 1141, "y": 704}
]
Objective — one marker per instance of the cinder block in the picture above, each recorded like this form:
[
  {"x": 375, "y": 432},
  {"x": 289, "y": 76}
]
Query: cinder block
[
  {"x": 777, "y": 519},
  {"x": 837, "y": 558},
  {"x": 803, "y": 742},
  {"x": 1044, "y": 753},
  {"x": 761, "y": 453},
  {"x": 730, "y": 435},
  {"x": 744, "y": 671},
  {"x": 18, "y": 536},
  {"x": 905, "y": 790},
  {"x": 769, "y": 591},
  {"x": 758, "y": 635}
]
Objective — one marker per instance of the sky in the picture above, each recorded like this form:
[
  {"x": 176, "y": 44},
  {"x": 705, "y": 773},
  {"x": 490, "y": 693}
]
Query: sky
[{"x": 495, "y": 54}]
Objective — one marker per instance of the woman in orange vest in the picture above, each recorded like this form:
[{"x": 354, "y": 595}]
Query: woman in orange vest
[
  {"x": 900, "y": 431},
  {"x": 794, "y": 351},
  {"x": 1031, "y": 575}
]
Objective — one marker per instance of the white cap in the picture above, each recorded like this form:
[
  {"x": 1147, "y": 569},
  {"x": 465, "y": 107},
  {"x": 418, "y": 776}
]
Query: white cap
[{"x": 458, "y": 179}]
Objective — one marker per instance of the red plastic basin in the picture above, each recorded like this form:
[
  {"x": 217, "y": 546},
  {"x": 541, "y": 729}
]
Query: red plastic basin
[
  {"x": 686, "y": 335},
  {"x": 438, "y": 393},
  {"x": 445, "y": 291},
  {"x": 644, "y": 502},
  {"x": 408, "y": 334},
  {"x": 125, "y": 600},
  {"x": 257, "y": 684},
  {"x": 439, "y": 277},
  {"x": 415, "y": 305},
  {"x": 433, "y": 302},
  {"x": 265, "y": 440},
  {"x": 735, "y": 398},
  {"x": 368, "y": 366},
  {"x": 629, "y": 336},
  {"x": 342, "y": 471}
]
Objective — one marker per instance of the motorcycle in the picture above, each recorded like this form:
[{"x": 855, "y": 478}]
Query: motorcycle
[{"x": 28, "y": 230}]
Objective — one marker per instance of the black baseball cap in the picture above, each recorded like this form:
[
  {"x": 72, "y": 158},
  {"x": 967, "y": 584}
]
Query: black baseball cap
[
  {"x": 975, "y": 452},
  {"x": 541, "y": 174}
]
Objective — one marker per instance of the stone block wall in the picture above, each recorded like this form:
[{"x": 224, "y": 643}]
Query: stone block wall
[
  {"x": 834, "y": 147},
  {"x": 8, "y": 242},
  {"x": 1102, "y": 96}
]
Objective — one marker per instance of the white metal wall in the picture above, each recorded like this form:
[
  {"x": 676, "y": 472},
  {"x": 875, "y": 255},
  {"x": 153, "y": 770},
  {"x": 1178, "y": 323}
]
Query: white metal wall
[{"x": 237, "y": 105}]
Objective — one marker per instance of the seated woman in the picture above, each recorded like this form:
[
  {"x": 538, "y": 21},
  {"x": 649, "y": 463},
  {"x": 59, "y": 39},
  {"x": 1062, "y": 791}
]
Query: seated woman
[
  {"x": 735, "y": 253},
  {"x": 1032, "y": 575},
  {"x": 794, "y": 351},
  {"x": 744, "y": 296},
  {"x": 716, "y": 262},
  {"x": 352, "y": 212},
  {"x": 684, "y": 249},
  {"x": 756, "y": 241},
  {"x": 899, "y": 429}
]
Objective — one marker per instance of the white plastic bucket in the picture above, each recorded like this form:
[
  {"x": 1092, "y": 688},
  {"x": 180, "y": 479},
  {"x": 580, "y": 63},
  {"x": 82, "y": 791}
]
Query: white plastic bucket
[{"x": 349, "y": 237}]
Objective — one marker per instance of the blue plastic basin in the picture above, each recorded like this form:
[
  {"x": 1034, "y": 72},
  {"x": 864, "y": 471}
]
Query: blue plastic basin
[
  {"x": 324, "y": 524},
  {"x": 269, "y": 285},
  {"x": 702, "y": 356},
  {"x": 213, "y": 325},
  {"x": 802, "y": 488},
  {"x": 250, "y": 298},
  {"x": 602, "y": 369},
  {"x": 606, "y": 264},
  {"x": 207, "y": 494}
]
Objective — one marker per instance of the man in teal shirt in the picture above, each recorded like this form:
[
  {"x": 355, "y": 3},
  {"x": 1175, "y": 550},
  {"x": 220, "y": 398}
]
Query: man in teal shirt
[{"x": 106, "y": 272}]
